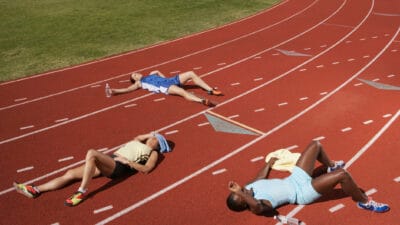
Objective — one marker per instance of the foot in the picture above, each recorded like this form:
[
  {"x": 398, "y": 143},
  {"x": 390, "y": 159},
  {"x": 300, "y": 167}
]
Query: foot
[
  {"x": 208, "y": 103},
  {"x": 371, "y": 205},
  {"x": 108, "y": 90},
  {"x": 27, "y": 190},
  {"x": 338, "y": 164},
  {"x": 75, "y": 199},
  {"x": 214, "y": 92}
]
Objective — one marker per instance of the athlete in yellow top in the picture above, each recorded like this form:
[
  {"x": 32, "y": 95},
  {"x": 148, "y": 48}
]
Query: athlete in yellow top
[{"x": 140, "y": 154}]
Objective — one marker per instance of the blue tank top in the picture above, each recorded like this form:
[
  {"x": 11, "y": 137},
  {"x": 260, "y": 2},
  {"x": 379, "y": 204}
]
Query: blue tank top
[{"x": 276, "y": 191}]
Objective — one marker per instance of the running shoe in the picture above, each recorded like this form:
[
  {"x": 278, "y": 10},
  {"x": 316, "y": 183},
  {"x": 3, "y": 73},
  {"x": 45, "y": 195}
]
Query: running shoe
[
  {"x": 27, "y": 190},
  {"x": 207, "y": 102},
  {"x": 75, "y": 199},
  {"x": 371, "y": 205},
  {"x": 214, "y": 92},
  {"x": 338, "y": 164}
]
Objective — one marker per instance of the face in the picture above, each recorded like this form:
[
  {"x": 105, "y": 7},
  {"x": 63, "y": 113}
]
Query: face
[
  {"x": 136, "y": 76},
  {"x": 152, "y": 143}
]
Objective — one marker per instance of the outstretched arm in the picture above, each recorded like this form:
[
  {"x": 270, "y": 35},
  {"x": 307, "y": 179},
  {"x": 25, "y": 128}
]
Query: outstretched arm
[
  {"x": 256, "y": 206},
  {"x": 133, "y": 87}
]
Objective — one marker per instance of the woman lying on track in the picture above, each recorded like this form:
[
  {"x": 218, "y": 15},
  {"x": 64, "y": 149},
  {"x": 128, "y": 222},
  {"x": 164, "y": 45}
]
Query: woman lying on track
[
  {"x": 140, "y": 154},
  {"x": 263, "y": 195},
  {"x": 157, "y": 82}
]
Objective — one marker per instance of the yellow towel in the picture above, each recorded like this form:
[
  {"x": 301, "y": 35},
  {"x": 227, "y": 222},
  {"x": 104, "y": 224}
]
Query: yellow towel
[{"x": 286, "y": 159}]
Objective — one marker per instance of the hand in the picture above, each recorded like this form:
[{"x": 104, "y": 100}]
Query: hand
[
  {"x": 234, "y": 187},
  {"x": 272, "y": 161}
]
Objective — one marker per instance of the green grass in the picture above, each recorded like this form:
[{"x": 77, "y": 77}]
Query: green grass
[{"x": 41, "y": 35}]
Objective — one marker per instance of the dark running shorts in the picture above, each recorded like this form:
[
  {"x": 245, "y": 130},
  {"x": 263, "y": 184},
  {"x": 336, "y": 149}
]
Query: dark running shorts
[{"x": 120, "y": 169}]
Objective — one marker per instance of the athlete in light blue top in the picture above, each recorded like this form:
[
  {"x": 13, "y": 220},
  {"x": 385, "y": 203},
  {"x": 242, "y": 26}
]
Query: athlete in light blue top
[
  {"x": 263, "y": 195},
  {"x": 156, "y": 82}
]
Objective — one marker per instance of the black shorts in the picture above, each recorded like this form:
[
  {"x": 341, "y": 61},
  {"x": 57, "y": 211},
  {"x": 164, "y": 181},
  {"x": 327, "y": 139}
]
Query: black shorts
[{"x": 120, "y": 169}]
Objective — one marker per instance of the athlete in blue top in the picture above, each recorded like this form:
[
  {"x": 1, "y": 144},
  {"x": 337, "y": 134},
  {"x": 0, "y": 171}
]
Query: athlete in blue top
[
  {"x": 264, "y": 195},
  {"x": 158, "y": 83}
]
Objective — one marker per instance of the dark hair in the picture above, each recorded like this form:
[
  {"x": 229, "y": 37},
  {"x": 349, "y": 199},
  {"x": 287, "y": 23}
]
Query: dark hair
[
  {"x": 132, "y": 80},
  {"x": 233, "y": 205}
]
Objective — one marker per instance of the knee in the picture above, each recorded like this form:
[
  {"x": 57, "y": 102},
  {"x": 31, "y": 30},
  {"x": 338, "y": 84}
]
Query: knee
[
  {"x": 342, "y": 173},
  {"x": 91, "y": 154}
]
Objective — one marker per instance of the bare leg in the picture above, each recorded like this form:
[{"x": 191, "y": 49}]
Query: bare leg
[
  {"x": 327, "y": 182},
  {"x": 175, "y": 90},
  {"x": 96, "y": 163},
  {"x": 68, "y": 177},
  {"x": 190, "y": 75},
  {"x": 310, "y": 155}
]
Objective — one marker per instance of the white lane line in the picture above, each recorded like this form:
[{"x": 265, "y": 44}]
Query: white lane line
[
  {"x": 368, "y": 122},
  {"x": 171, "y": 132},
  {"x": 221, "y": 64},
  {"x": 26, "y": 127},
  {"x": 203, "y": 124},
  {"x": 25, "y": 169},
  {"x": 198, "y": 68},
  {"x": 390, "y": 75},
  {"x": 159, "y": 99},
  {"x": 282, "y": 104},
  {"x": 371, "y": 191},
  {"x": 397, "y": 179},
  {"x": 302, "y": 70},
  {"x": 258, "y": 79},
  {"x": 233, "y": 116},
  {"x": 95, "y": 86},
  {"x": 259, "y": 110},
  {"x": 219, "y": 171},
  {"x": 66, "y": 159},
  {"x": 303, "y": 98},
  {"x": 102, "y": 149},
  {"x": 102, "y": 209},
  {"x": 130, "y": 105},
  {"x": 358, "y": 84},
  {"x": 346, "y": 129},
  {"x": 20, "y": 99},
  {"x": 336, "y": 208},
  {"x": 257, "y": 57},
  {"x": 319, "y": 138},
  {"x": 366, "y": 56},
  {"x": 323, "y": 93},
  {"x": 61, "y": 120},
  {"x": 350, "y": 60},
  {"x": 387, "y": 115},
  {"x": 235, "y": 84},
  {"x": 376, "y": 80},
  {"x": 307, "y": 49},
  {"x": 290, "y": 148},
  {"x": 257, "y": 159},
  {"x": 335, "y": 63}
]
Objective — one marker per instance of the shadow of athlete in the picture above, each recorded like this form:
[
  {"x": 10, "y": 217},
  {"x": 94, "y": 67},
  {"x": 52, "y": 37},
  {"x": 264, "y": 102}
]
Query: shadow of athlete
[
  {"x": 139, "y": 155},
  {"x": 264, "y": 195},
  {"x": 158, "y": 83}
]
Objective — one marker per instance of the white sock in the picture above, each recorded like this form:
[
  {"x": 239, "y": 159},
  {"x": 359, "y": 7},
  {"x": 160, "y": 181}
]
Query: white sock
[{"x": 82, "y": 190}]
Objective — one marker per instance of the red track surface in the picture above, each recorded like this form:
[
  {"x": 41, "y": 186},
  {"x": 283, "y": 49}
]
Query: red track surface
[{"x": 346, "y": 40}]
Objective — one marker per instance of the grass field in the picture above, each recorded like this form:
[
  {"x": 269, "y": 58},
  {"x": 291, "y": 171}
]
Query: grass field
[{"x": 38, "y": 36}]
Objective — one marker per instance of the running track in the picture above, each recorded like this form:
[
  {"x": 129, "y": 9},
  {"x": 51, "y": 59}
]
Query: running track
[{"x": 51, "y": 119}]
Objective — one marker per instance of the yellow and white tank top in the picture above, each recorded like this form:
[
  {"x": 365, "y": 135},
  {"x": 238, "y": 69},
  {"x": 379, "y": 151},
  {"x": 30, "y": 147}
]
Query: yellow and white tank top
[{"x": 135, "y": 151}]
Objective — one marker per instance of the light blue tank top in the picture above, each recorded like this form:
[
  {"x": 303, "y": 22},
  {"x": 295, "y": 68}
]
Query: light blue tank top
[{"x": 276, "y": 191}]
